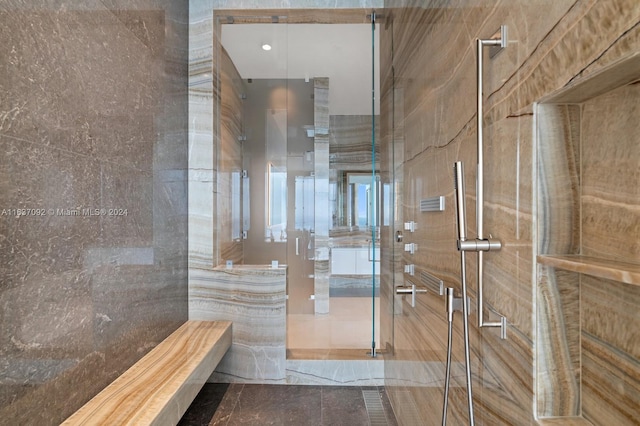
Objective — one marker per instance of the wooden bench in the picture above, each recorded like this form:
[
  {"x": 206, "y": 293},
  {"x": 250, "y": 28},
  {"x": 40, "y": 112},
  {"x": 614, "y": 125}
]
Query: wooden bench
[{"x": 158, "y": 389}]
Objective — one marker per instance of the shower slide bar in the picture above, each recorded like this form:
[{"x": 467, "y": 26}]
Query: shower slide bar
[{"x": 496, "y": 43}]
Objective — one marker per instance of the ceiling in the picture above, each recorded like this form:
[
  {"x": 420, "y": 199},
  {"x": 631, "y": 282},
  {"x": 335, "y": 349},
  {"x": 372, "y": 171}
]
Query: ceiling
[{"x": 341, "y": 52}]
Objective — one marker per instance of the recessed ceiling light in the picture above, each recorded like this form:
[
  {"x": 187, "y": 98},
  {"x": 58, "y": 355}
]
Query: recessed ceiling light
[{"x": 266, "y": 46}]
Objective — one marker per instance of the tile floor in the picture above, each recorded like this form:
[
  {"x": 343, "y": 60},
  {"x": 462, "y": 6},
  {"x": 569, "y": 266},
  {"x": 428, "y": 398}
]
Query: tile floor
[{"x": 289, "y": 405}]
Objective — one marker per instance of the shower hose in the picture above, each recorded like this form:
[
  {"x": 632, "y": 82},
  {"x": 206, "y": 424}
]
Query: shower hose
[
  {"x": 458, "y": 186},
  {"x": 447, "y": 383},
  {"x": 447, "y": 377}
]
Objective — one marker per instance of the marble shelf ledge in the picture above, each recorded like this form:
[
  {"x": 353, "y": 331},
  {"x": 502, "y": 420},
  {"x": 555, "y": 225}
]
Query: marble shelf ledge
[
  {"x": 602, "y": 268},
  {"x": 564, "y": 421}
]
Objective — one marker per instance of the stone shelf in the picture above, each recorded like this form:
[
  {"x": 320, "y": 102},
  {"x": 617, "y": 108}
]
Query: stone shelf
[
  {"x": 564, "y": 421},
  {"x": 602, "y": 268}
]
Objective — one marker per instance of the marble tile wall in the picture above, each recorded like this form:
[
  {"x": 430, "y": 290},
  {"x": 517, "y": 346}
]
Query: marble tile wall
[
  {"x": 350, "y": 143},
  {"x": 558, "y": 294},
  {"x": 610, "y": 201},
  {"x": 254, "y": 298},
  {"x": 229, "y": 180},
  {"x": 94, "y": 133},
  {"x": 587, "y": 152},
  {"x": 430, "y": 105}
]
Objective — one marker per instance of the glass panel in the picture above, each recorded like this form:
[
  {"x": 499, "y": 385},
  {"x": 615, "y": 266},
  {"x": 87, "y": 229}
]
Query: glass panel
[
  {"x": 373, "y": 196},
  {"x": 314, "y": 201},
  {"x": 304, "y": 203},
  {"x": 276, "y": 204}
]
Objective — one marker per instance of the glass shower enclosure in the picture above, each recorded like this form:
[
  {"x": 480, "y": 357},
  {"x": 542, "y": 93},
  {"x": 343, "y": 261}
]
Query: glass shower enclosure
[{"x": 312, "y": 198}]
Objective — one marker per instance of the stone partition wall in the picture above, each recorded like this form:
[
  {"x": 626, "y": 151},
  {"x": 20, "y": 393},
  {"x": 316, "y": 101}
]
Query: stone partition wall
[
  {"x": 94, "y": 140},
  {"x": 589, "y": 255},
  {"x": 253, "y": 297},
  {"x": 429, "y": 116}
]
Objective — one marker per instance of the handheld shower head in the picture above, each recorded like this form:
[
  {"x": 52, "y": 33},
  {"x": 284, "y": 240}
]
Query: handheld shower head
[{"x": 458, "y": 186}]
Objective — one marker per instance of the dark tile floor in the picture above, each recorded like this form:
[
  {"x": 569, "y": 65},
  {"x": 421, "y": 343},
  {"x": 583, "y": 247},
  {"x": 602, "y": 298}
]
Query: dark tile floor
[{"x": 290, "y": 405}]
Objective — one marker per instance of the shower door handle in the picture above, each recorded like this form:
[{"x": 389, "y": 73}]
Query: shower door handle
[{"x": 297, "y": 246}]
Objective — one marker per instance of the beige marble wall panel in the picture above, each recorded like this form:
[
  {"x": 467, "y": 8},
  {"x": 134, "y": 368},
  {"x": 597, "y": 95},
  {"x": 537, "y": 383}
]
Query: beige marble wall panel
[
  {"x": 508, "y": 218},
  {"x": 94, "y": 117},
  {"x": 610, "y": 351},
  {"x": 350, "y": 143},
  {"x": 253, "y": 298},
  {"x": 231, "y": 128},
  {"x": 611, "y": 175},
  {"x": 505, "y": 379},
  {"x": 582, "y": 40},
  {"x": 610, "y": 385},
  {"x": 434, "y": 64},
  {"x": 606, "y": 324},
  {"x": 558, "y": 343},
  {"x": 203, "y": 135},
  {"x": 559, "y": 166},
  {"x": 601, "y": 208}
]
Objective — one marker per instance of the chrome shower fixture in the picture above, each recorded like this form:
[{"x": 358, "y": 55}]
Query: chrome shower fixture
[
  {"x": 496, "y": 43},
  {"x": 458, "y": 184}
]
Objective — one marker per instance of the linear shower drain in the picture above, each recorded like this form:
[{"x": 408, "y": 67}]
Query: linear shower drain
[{"x": 375, "y": 409}]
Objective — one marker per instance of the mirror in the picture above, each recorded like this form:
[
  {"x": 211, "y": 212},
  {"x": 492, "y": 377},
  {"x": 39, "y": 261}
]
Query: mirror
[{"x": 355, "y": 200}]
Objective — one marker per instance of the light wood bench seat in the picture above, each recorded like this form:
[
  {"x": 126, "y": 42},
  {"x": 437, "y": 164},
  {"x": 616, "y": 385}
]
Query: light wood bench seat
[{"x": 159, "y": 388}]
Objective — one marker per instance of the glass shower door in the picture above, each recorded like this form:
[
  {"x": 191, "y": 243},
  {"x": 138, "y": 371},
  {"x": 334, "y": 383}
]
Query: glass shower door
[{"x": 310, "y": 129}]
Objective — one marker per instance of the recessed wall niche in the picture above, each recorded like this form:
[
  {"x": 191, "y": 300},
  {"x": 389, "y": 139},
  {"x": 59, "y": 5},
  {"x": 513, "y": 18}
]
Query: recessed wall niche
[{"x": 588, "y": 248}]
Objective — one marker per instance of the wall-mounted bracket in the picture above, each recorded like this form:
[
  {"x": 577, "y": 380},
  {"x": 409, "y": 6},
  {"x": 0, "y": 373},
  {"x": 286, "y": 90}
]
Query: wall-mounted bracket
[
  {"x": 454, "y": 303},
  {"x": 410, "y": 226},
  {"x": 411, "y": 248},
  {"x": 501, "y": 37},
  {"x": 410, "y": 269}
]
